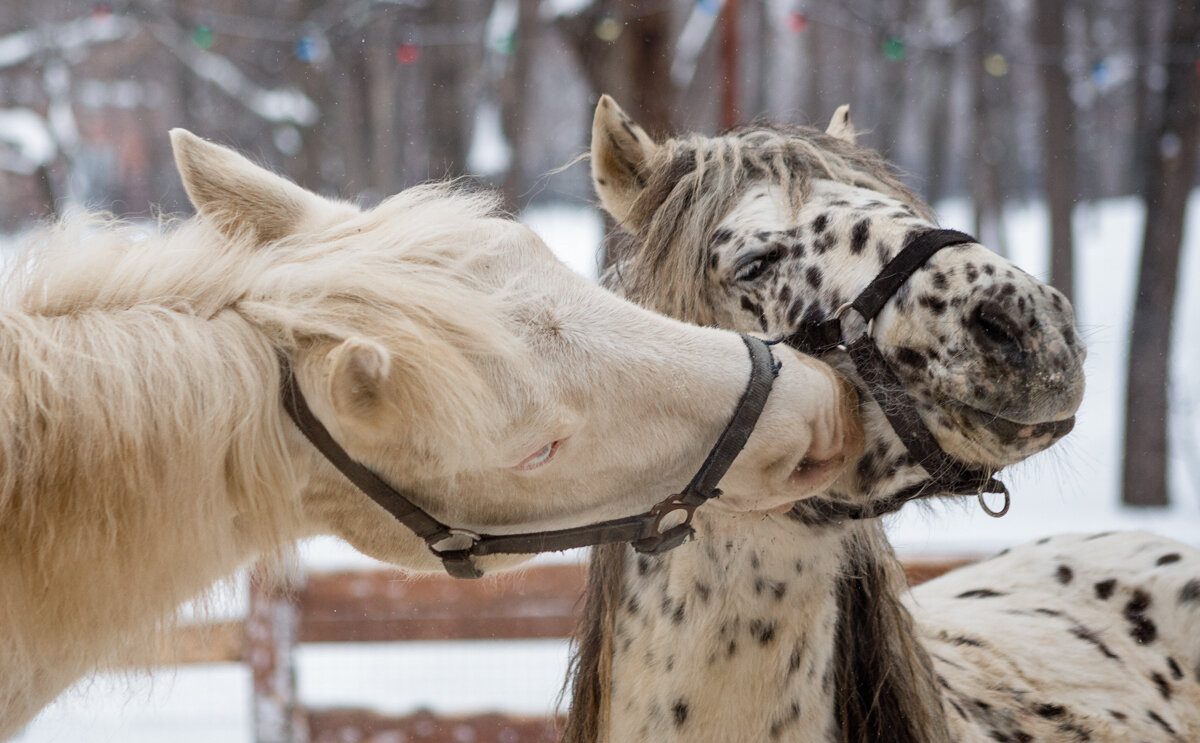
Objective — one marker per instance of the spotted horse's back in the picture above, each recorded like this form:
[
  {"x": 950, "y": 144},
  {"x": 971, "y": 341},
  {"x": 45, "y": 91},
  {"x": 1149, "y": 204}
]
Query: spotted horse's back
[{"x": 1072, "y": 638}]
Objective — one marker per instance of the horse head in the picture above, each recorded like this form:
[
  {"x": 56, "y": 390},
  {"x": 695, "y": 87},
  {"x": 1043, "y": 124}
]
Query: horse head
[
  {"x": 774, "y": 229},
  {"x": 447, "y": 350}
]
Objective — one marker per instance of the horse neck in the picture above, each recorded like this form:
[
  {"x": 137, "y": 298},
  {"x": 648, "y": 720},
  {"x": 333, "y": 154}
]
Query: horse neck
[
  {"x": 136, "y": 460},
  {"x": 766, "y": 629},
  {"x": 730, "y": 637}
]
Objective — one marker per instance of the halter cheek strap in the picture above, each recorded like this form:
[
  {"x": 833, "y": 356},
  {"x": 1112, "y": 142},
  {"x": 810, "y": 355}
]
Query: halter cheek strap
[
  {"x": 947, "y": 476},
  {"x": 653, "y": 532}
]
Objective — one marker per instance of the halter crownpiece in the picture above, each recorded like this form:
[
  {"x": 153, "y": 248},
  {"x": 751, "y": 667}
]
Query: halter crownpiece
[
  {"x": 665, "y": 526},
  {"x": 850, "y": 329}
]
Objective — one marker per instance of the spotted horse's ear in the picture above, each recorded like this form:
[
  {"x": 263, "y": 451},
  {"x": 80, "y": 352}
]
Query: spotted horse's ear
[
  {"x": 840, "y": 126},
  {"x": 620, "y": 151}
]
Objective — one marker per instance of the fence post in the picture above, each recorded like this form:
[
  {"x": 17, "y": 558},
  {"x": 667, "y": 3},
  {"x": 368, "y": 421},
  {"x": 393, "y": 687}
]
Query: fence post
[{"x": 271, "y": 629}]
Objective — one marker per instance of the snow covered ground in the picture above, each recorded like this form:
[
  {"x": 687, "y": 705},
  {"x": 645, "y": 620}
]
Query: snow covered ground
[{"x": 1074, "y": 487}]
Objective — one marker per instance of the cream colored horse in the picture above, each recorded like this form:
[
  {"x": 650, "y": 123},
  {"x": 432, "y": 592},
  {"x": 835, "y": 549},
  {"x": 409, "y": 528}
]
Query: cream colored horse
[{"x": 144, "y": 454}]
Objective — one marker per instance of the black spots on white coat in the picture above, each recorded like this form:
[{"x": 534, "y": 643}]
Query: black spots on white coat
[{"x": 1141, "y": 628}]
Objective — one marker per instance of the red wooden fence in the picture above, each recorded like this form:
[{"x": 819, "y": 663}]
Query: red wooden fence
[{"x": 387, "y": 606}]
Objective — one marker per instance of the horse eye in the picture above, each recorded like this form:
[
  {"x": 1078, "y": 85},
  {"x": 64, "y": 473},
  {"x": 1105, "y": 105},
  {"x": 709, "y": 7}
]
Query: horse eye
[
  {"x": 539, "y": 457},
  {"x": 751, "y": 270},
  {"x": 754, "y": 267}
]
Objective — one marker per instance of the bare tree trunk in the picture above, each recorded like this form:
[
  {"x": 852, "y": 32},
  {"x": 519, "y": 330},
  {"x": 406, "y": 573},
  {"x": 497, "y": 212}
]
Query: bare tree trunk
[
  {"x": 635, "y": 68},
  {"x": 514, "y": 101},
  {"x": 350, "y": 117},
  {"x": 1169, "y": 180},
  {"x": 1058, "y": 141},
  {"x": 49, "y": 193},
  {"x": 453, "y": 65},
  {"x": 649, "y": 54},
  {"x": 1146, "y": 102},
  {"x": 383, "y": 104},
  {"x": 758, "y": 80},
  {"x": 938, "y": 87},
  {"x": 815, "y": 100},
  {"x": 892, "y": 91},
  {"x": 731, "y": 89},
  {"x": 985, "y": 186}
]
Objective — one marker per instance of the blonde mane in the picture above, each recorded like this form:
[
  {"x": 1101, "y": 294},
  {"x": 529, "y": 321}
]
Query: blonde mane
[{"x": 139, "y": 390}]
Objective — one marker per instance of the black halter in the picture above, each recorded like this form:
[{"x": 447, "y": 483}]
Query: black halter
[
  {"x": 652, "y": 532},
  {"x": 947, "y": 476}
]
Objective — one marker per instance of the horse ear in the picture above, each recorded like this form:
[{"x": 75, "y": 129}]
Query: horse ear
[
  {"x": 237, "y": 196},
  {"x": 620, "y": 150},
  {"x": 841, "y": 126},
  {"x": 360, "y": 367}
]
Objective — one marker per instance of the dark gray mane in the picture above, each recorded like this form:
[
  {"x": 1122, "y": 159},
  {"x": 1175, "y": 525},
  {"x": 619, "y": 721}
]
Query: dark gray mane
[{"x": 885, "y": 687}]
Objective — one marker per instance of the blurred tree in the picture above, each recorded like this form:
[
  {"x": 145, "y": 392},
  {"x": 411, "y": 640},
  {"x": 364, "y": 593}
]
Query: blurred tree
[
  {"x": 1169, "y": 179},
  {"x": 730, "y": 75},
  {"x": 625, "y": 50},
  {"x": 515, "y": 98},
  {"x": 987, "y": 191},
  {"x": 893, "y": 84},
  {"x": 1058, "y": 139},
  {"x": 454, "y": 62}
]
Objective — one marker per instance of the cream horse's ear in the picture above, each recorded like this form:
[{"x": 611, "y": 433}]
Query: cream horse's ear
[
  {"x": 840, "y": 126},
  {"x": 620, "y": 150},
  {"x": 359, "y": 369},
  {"x": 237, "y": 196}
]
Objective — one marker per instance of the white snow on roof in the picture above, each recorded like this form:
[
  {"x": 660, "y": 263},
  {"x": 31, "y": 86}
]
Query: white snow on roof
[
  {"x": 17, "y": 47},
  {"x": 25, "y": 140},
  {"x": 554, "y": 8}
]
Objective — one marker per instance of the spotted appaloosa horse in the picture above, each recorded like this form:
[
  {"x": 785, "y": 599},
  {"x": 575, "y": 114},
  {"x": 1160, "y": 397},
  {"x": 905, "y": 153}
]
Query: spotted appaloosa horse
[{"x": 798, "y": 626}]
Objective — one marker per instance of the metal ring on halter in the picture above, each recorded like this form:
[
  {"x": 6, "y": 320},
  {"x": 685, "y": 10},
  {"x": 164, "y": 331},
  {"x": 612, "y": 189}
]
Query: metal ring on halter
[
  {"x": 439, "y": 547},
  {"x": 668, "y": 506},
  {"x": 995, "y": 514},
  {"x": 868, "y": 324}
]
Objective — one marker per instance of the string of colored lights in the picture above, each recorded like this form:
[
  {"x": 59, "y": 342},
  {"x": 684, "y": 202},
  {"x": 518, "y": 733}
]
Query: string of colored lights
[{"x": 310, "y": 42}]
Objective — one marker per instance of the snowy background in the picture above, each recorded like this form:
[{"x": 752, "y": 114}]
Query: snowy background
[
  {"x": 361, "y": 99},
  {"x": 1073, "y": 487}
]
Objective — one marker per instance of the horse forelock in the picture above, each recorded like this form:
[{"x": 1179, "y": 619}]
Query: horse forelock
[{"x": 693, "y": 182}]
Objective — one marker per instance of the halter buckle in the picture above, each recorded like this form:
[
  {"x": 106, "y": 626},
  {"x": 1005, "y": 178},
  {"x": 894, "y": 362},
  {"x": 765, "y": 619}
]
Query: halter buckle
[{"x": 444, "y": 546}]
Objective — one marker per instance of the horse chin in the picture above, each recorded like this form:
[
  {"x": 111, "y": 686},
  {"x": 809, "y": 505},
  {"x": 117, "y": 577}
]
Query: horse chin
[{"x": 982, "y": 437}]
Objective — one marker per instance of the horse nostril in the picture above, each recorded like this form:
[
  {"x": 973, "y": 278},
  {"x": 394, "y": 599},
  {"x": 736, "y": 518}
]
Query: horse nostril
[{"x": 992, "y": 328}]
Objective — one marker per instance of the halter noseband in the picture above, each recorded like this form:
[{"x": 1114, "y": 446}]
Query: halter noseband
[
  {"x": 947, "y": 476},
  {"x": 652, "y": 532}
]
